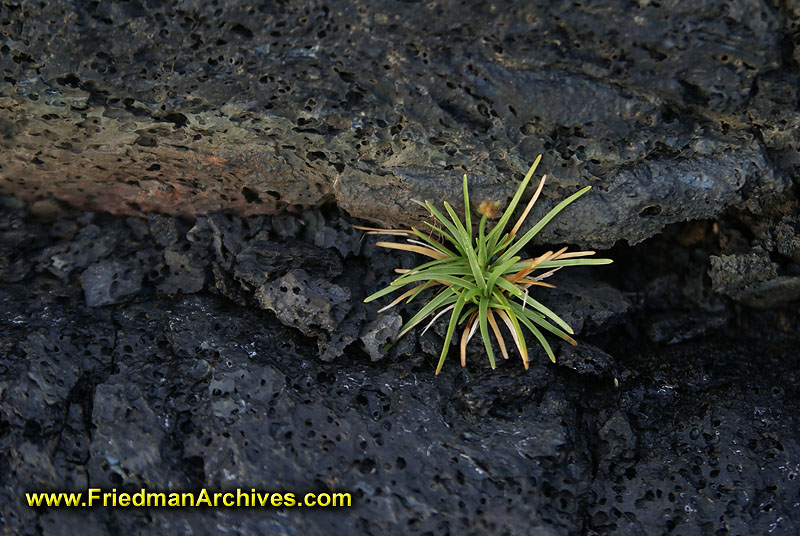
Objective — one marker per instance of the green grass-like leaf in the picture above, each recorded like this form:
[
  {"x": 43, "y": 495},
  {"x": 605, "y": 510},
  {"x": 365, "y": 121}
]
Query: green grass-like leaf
[{"x": 481, "y": 280}]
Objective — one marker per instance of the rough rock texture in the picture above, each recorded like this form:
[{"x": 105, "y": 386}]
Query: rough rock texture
[
  {"x": 314, "y": 306},
  {"x": 379, "y": 333},
  {"x": 753, "y": 279},
  {"x": 212, "y": 332},
  {"x": 759, "y": 260},
  {"x": 190, "y": 384},
  {"x": 673, "y": 111},
  {"x": 305, "y": 303}
]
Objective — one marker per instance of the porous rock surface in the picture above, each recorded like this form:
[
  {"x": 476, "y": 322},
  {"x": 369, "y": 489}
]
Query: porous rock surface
[
  {"x": 212, "y": 333},
  {"x": 672, "y": 111},
  {"x": 182, "y": 381}
]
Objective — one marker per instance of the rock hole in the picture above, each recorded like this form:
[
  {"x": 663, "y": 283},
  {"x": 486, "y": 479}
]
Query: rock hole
[
  {"x": 652, "y": 210},
  {"x": 242, "y": 31},
  {"x": 251, "y": 196}
]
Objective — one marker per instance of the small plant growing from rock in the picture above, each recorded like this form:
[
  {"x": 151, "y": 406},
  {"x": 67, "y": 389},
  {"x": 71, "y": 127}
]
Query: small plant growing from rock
[{"x": 479, "y": 278}]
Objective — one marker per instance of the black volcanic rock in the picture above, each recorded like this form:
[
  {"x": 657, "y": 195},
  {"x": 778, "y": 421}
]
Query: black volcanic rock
[
  {"x": 226, "y": 148},
  {"x": 176, "y": 389},
  {"x": 673, "y": 112}
]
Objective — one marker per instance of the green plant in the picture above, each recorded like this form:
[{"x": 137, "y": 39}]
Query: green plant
[{"x": 479, "y": 276}]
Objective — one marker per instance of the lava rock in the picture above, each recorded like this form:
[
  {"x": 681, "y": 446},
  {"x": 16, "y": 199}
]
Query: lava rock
[
  {"x": 618, "y": 438},
  {"x": 90, "y": 245},
  {"x": 164, "y": 230},
  {"x": 187, "y": 271},
  {"x": 131, "y": 453},
  {"x": 262, "y": 260},
  {"x": 587, "y": 306},
  {"x": 336, "y": 234},
  {"x": 312, "y": 305},
  {"x": 378, "y": 333},
  {"x": 334, "y": 344},
  {"x": 46, "y": 210},
  {"x": 708, "y": 459},
  {"x": 110, "y": 281},
  {"x": 190, "y": 108},
  {"x": 673, "y": 328},
  {"x": 753, "y": 279},
  {"x": 188, "y": 391},
  {"x": 286, "y": 226},
  {"x": 585, "y": 359}
]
